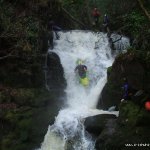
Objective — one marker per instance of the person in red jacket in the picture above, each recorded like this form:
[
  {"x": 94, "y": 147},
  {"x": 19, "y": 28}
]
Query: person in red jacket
[
  {"x": 147, "y": 105},
  {"x": 96, "y": 15}
]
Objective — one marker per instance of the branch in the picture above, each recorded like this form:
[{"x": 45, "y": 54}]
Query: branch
[
  {"x": 117, "y": 39},
  {"x": 72, "y": 17},
  {"x": 88, "y": 11},
  {"x": 8, "y": 36},
  {"x": 25, "y": 56},
  {"x": 4, "y": 57},
  {"x": 145, "y": 11},
  {"x": 121, "y": 28}
]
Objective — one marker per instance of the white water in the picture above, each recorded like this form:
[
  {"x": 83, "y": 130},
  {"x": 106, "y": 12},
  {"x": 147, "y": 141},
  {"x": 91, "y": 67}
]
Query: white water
[
  {"x": 122, "y": 44},
  {"x": 67, "y": 133}
]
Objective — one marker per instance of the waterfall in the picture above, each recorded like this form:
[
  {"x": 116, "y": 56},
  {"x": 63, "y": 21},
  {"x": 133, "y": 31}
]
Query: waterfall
[{"x": 67, "y": 132}]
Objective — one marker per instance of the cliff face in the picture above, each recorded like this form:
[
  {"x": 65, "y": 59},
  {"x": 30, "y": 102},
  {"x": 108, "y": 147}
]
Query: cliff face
[
  {"x": 134, "y": 70},
  {"x": 26, "y": 106},
  {"x": 131, "y": 127},
  {"x": 55, "y": 73}
]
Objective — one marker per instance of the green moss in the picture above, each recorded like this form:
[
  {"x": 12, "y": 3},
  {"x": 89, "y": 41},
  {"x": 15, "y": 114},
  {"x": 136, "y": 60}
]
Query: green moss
[
  {"x": 28, "y": 123},
  {"x": 24, "y": 96},
  {"x": 135, "y": 20},
  {"x": 133, "y": 115},
  {"x": 23, "y": 76},
  {"x": 8, "y": 141},
  {"x": 29, "y": 96},
  {"x": 129, "y": 113},
  {"x": 12, "y": 117},
  {"x": 3, "y": 97},
  {"x": 25, "y": 124},
  {"x": 130, "y": 128},
  {"x": 109, "y": 69},
  {"x": 24, "y": 136},
  {"x": 6, "y": 144}
]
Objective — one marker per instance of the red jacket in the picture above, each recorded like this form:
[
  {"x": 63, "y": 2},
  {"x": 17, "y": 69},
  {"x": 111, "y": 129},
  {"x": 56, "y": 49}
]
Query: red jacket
[{"x": 96, "y": 13}]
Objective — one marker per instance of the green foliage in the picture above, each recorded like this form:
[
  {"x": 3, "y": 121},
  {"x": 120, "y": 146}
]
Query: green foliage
[
  {"x": 4, "y": 97},
  {"x": 6, "y": 144},
  {"x": 67, "y": 3},
  {"x": 136, "y": 22},
  {"x": 133, "y": 115},
  {"x": 24, "y": 96},
  {"x": 19, "y": 29},
  {"x": 102, "y": 5},
  {"x": 43, "y": 2},
  {"x": 72, "y": 6},
  {"x": 12, "y": 117},
  {"x": 109, "y": 69}
]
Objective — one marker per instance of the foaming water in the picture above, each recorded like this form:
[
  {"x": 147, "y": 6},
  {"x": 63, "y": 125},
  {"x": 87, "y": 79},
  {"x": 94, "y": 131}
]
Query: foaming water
[
  {"x": 68, "y": 133},
  {"x": 122, "y": 42}
]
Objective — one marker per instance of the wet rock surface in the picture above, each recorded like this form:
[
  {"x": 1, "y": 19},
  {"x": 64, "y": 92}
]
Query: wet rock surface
[
  {"x": 96, "y": 124},
  {"x": 126, "y": 66},
  {"x": 55, "y": 74}
]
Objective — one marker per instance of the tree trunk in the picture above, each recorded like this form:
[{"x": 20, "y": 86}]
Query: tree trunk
[
  {"x": 143, "y": 8},
  {"x": 73, "y": 17}
]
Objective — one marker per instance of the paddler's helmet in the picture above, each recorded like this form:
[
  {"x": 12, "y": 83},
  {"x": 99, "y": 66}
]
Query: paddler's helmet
[{"x": 79, "y": 62}]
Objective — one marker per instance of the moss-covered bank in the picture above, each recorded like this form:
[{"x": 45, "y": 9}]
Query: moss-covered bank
[
  {"x": 136, "y": 70},
  {"x": 26, "y": 106},
  {"x": 25, "y": 116},
  {"x": 131, "y": 127}
]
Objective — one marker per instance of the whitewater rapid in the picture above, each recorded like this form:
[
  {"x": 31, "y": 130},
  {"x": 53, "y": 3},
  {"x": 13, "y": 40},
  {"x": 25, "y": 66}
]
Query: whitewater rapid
[{"x": 68, "y": 133}]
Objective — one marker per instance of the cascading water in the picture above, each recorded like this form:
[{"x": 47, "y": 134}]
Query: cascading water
[
  {"x": 122, "y": 42},
  {"x": 67, "y": 133}
]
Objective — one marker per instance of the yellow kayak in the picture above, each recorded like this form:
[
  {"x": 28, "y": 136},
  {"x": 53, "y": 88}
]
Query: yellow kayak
[{"x": 84, "y": 81}]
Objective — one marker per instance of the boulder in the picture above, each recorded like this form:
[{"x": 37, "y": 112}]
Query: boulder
[
  {"x": 128, "y": 66},
  {"x": 55, "y": 74},
  {"x": 131, "y": 127},
  {"x": 96, "y": 124}
]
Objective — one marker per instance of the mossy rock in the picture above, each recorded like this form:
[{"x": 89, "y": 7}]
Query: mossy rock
[
  {"x": 7, "y": 141},
  {"x": 25, "y": 124},
  {"x": 4, "y": 97},
  {"x": 6, "y": 144},
  {"x": 143, "y": 118},
  {"x": 143, "y": 131},
  {"x": 12, "y": 117},
  {"x": 133, "y": 115},
  {"x": 24, "y": 135},
  {"x": 128, "y": 113},
  {"x": 24, "y": 96},
  {"x": 109, "y": 70},
  {"x": 31, "y": 96}
]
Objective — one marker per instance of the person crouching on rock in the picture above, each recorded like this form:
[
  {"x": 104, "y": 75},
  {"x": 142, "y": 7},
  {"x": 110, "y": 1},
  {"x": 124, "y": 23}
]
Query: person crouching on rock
[{"x": 125, "y": 88}]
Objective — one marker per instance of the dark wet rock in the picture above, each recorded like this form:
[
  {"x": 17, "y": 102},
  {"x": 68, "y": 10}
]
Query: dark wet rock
[
  {"x": 35, "y": 107},
  {"x": 133, "y": 114},
  {"x": 109, "y": 96},
  {"x": 46, "y": 40},
  {"x": 35, "y": 110},
  {"x": 106, "y": 134},
  {"x": 55, "y": 73},
  {"x": 125, "y": 66},
  {"x": 96, "y": 124},
  {"x": 131, "y": 127}
]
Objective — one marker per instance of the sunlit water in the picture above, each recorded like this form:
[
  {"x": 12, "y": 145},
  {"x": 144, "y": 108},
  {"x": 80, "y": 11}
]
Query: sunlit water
[{"x": 67, "y": 133}]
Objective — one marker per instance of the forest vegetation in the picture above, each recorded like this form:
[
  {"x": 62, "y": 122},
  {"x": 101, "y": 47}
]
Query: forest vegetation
[{"x": 24, "y": 35}]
